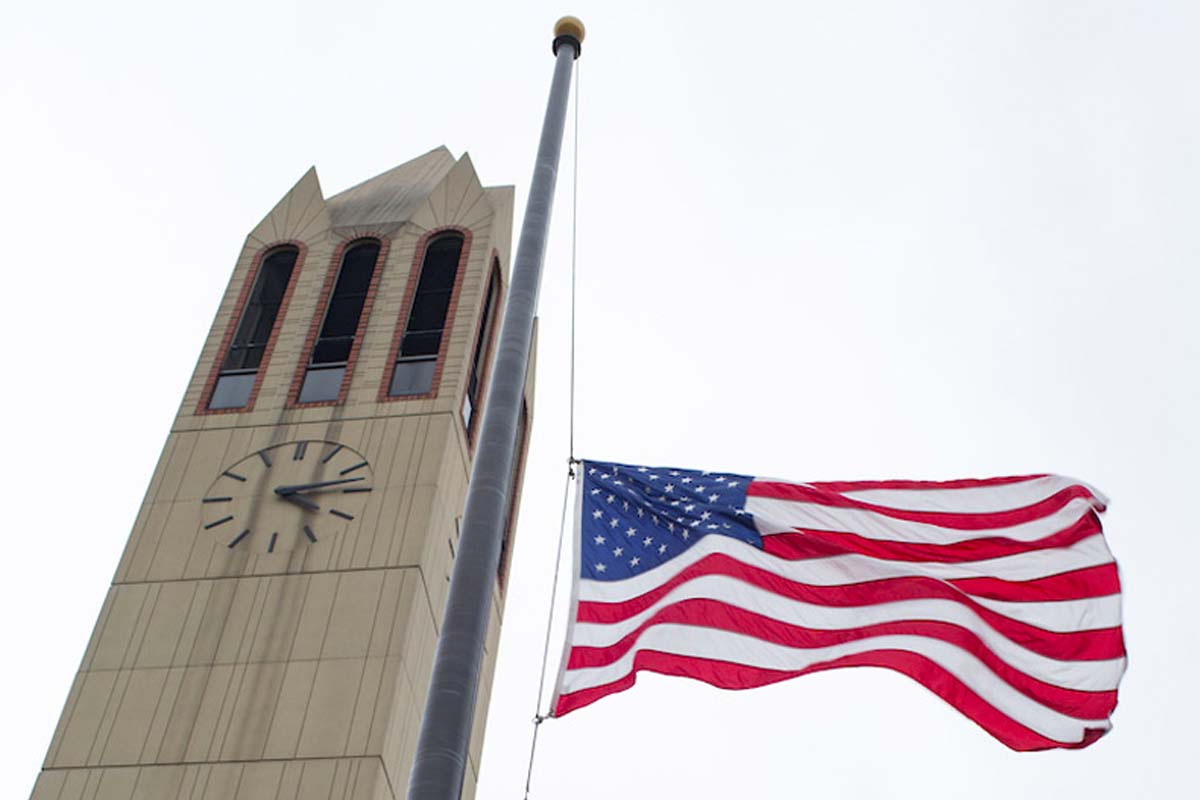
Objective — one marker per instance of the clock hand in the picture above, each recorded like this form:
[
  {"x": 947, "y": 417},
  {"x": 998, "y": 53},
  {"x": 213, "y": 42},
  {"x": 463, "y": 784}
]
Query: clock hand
[
  {"x": 300, "y": 500},
  {"x": 304, "y": 487}
]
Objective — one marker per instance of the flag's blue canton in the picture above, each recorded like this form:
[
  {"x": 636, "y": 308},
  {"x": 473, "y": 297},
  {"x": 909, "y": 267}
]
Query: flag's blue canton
[{"x": 635, "y": 518}]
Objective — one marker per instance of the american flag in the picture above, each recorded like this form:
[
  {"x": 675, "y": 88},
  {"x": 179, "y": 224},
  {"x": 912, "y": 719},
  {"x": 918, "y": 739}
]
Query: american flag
[{"x": 998, "y": 595}]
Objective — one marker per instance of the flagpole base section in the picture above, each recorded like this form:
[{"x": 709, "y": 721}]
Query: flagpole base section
[{"x": 569, "y": 30}]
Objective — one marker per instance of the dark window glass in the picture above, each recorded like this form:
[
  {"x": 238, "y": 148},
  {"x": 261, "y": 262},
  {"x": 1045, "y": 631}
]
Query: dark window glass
[
  {"x": 441, "y": 263},
  {"x": 258, "y": 318},
  {"x": 232, "y": 390},
  {"x": 327, "y": 365},
  {"x": 428, "y": 311},
  {"x": 254, "y": 330},
  {"x": 483, "y": 346},
  {"x": 321, "y": 383},
  {"x": 358, "y": 266},
  {"x": 422, "y": 336},
  {"x": 346, "y": 303},
  {"x": 412, "y": 376},
  {"x": 422, "y": 344},
  {"x": 514, "y": 485},
  {"x": 331, "y": 351}
]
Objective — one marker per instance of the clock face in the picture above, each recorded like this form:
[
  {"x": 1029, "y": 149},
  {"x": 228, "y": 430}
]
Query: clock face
[{"x": 287, "y": 496}]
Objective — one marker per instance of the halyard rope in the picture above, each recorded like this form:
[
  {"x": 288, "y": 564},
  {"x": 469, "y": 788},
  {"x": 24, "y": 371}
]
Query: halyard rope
[{"x": 538, "y": 717}]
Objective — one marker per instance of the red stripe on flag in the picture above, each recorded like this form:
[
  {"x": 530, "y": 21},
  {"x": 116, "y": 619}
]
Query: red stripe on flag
[
  {"x": 808, "y": 543},
  {"x": 965, "y": 483},
  {"x": 1098, "y": 581}
]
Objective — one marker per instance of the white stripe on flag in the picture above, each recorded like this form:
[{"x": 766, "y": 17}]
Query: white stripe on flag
[
  {"x": 1062, "y": 616},
  {"x": 972, "y": 499},
  {"x": 773, "y": 515}
]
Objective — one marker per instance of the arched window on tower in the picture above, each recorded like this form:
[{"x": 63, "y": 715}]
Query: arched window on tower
[
  {"x": 235, "y": 382},
  {"x": 416, "y": 360},
  {"x": 483, "y": 350},
  {"x": 326, "y": 368}
]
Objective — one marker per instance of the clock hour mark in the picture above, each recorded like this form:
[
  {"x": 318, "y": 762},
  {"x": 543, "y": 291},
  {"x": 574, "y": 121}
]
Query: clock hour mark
[
  {"x": 300, "y": 448},
  {"x": 341, "y": 514},
  {"x": 271, "y": 546},
  {"x": 216, "y": 500},
  {"x": 265, "y": 458},
  {"x": 332, "y": 453},
  {"x": 231, "y": 474},
  {"x": 221, "y": 521},
  {"x": 354, "y": 489},
  {"x": 312, "y": 537},
  {"x": 348, "y": 470},
  {"x": 238, "y": 538}
]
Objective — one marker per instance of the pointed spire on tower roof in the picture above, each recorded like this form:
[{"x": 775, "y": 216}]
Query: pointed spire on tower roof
[{"x": 394, "y": 195}]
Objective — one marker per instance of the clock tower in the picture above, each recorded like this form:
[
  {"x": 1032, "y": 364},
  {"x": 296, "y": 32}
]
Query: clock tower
[{"x": 271, "y": 625}]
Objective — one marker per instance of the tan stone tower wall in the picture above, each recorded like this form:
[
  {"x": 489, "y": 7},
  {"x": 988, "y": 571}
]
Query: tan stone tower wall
[{"x": 293, "y": 668}]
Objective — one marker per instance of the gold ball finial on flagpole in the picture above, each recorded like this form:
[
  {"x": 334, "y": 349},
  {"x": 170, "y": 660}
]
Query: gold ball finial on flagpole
[
  {"x": 569, "y": 29},
  {"x": 569, "y": 26}
]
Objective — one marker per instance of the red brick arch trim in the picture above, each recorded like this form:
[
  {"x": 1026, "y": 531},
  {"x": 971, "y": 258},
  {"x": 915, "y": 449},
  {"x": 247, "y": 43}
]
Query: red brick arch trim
[
  {"x": 236, "y": 317},
  {"x": 410, "y": 290},
  {"x": 314, "y": 328}
]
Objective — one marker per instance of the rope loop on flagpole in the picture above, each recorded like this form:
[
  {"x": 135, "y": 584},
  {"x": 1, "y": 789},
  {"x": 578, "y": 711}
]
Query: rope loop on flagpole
[{"x": 538, "y": 716}]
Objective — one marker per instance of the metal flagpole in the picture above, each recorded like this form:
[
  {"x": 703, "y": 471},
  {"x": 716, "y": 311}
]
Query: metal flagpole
[{"x": 445, "y": 734}]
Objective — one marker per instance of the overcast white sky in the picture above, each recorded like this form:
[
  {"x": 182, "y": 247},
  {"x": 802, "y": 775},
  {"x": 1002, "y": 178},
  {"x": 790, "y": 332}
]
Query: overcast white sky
[{"x": 816, "y": 240}]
